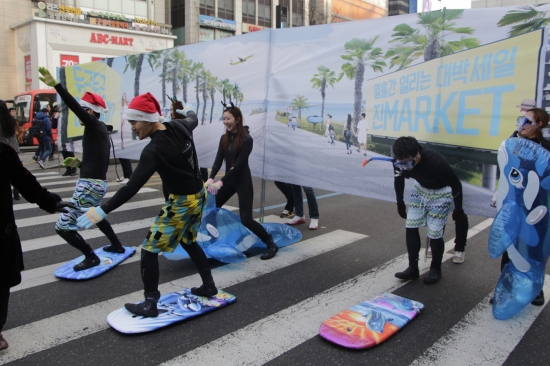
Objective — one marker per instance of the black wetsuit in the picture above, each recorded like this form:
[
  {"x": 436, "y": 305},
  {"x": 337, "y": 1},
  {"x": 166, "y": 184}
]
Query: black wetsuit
[
  {"x": 238, "y": 179},
  {"x": 163, "y": 155},
  {"x": 95, "y": 141},
  {"x": 171, "y": 153},
  {"x": 431, "y": 172},
  {"x": 94, "y": 165}
]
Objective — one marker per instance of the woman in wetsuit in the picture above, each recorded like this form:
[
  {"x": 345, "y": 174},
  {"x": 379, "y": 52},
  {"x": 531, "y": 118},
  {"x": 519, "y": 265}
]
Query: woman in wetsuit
[{"x": 235, "y": 148}]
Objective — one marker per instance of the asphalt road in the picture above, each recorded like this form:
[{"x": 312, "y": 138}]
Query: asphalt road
[{"x": 280, "y": 303}]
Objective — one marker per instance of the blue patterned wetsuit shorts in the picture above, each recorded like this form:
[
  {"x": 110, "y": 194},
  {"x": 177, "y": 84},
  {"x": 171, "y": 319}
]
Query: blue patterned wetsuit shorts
[
  {"x": 429, "y": 207},
  {"x": 88, "y": 193}
]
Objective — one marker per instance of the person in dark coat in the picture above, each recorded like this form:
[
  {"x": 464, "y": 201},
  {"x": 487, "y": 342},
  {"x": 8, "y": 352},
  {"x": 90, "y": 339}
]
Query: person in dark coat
[{"x": 11, "y": 254}]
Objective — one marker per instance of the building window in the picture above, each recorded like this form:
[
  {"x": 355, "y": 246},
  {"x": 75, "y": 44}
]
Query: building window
[
  {"x": 225, "y": 9},
  {"x": 264, "y": 13},
  {"x": 178, "y": 13},
  {"x": 207, "y": 8},
  {"x": 297, "y": 13},
  {"x": 249, "y": 12}
]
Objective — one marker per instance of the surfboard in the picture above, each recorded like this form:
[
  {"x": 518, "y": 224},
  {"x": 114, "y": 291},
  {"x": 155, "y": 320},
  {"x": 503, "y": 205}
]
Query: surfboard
[
  {"x": 173, "y": 308},
  {"x": 108, "y": 261},
  {"x": 371, "y": 322}
]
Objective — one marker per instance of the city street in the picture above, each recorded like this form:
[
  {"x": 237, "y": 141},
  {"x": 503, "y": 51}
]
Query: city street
[{"x": 281, "y": 303}]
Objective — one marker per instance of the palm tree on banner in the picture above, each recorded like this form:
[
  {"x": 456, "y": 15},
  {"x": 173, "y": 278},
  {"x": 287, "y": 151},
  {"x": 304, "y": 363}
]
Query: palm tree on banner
[
  {"x": 525, "y": 19},
  {"x": 175, "y": 65},
  {"x": 437, "y": 25},
  {"x": 213, "y": 84},
  {"x": 360, "y": 53},
  {"x": 184, "y": 72},
  {"x": 135, "y": 62},
  {"x": 225, "y": 86},
  {"x": 162, "y": 61},
  {"x": 205, "y": 77},
  {"x": 195, "y": 75},
  {"x": 236, "y": 91},
  {"x": 298, "y": 103},
  {"x": 320, "y": 81},
  {"x": 229, "y": 91}
]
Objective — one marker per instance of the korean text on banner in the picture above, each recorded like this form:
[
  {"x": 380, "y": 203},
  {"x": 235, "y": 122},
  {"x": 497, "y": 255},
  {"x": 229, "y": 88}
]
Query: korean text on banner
[
  {"x": 95, "y": 77},
  {"x": 466, "y": 99}
]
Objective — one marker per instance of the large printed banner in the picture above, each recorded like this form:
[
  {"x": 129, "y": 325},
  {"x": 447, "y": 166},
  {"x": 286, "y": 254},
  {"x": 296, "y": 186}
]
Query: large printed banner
[
  {"x": 301, "y": 88},
  {"x": 458, "y": 99}
]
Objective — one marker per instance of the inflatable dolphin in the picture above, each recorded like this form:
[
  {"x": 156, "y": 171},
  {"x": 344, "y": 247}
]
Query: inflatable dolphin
[
  {"x": 224, "y": 238},
  {"x": 521, "y": 224}
]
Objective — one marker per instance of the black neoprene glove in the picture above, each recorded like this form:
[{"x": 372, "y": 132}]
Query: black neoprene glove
[
  {"x": 402, "y": 209},
  {"x": 459, "y": 216},
  {"x": 60, "y": 206}
]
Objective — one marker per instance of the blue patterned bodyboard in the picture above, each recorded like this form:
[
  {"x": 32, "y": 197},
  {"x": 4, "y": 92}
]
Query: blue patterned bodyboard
[
  {"x": 108, "y": 261},
  {"x": 173, "y": 308}
]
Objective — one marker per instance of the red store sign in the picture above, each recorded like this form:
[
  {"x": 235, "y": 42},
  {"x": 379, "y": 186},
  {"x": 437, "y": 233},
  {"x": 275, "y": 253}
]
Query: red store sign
[
  {"x": 105, "y": 38},
  {"x": 69, "y": 60}
]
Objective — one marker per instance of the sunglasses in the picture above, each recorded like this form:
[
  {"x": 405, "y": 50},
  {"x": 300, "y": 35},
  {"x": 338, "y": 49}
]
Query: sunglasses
[{"x": 405, "y": 164}]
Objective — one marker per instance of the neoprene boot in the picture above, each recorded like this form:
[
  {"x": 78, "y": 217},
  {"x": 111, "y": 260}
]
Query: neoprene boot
[
  {"x": 413, "y": 248},
  {"x": 272, "y": 249},
  {"x": 91, "y": 260},
  {"x": 208, "y": 288},
  {"x": 147, "y": 308},
  {"x": 434, "y": 274}
]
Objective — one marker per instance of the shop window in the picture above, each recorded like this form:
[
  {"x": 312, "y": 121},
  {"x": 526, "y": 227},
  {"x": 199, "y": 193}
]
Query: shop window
[
  {"x": 225, "y": 9},
  {"x": 297, "y": 13},
  {"x": 249, "y": 12},
  {"x": 264, "y": 13},
  {"x": 178, "y": 13},
  {"x": 207, "y": 8}
]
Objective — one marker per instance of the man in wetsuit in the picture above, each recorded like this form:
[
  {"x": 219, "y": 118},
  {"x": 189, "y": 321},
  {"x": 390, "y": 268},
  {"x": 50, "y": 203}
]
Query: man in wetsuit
[
  {"x": 436, "y": 187},
  {"x": 171, "y": 153},
  {"x": 92, "y": 184}
]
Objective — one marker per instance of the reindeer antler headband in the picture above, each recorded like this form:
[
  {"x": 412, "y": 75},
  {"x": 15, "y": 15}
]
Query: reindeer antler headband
[{"x": 225, "y": 105}]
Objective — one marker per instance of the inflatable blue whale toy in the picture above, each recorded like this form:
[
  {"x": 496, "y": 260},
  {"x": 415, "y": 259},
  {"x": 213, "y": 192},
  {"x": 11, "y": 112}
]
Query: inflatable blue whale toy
[
  {"x": 521, "y": 224},
  {"x": 224, "y": 238}
]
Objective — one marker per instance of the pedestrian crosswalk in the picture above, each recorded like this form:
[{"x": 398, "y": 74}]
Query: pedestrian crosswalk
[{"x": 280, "y": 303}]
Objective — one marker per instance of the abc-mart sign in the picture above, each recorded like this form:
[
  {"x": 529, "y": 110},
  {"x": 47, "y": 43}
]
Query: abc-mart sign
[{"x": 207, "y": 21}]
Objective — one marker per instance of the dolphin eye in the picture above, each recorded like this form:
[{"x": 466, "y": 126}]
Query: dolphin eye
[{"x": 516, "y": 178}]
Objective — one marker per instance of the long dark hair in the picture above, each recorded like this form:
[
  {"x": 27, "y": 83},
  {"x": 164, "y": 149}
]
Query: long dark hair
[
  {"x": 540, "y": 116},
  {"x": 7, "y": 123},
  {"x": 240, "y": 132},
  {"x": 348, "y": 124}
]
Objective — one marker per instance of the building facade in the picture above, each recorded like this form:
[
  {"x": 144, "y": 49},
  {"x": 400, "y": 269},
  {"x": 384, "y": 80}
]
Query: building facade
[
  {"x": 58, "y": 33},
  {"x": 502, "y": 3},
  {"x": 196, "y": 21}
]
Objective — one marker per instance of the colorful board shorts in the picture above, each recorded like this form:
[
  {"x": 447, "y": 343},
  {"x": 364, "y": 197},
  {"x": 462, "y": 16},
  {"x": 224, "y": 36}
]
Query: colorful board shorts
[
  {"x": 88, "y": 193},
  {"x": 429, "y": 207},
  {"x": 178, "y": 222}
]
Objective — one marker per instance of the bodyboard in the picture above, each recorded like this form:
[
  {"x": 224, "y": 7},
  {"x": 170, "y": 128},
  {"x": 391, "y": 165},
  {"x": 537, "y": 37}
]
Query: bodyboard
[
  {"x": 173, "y": 308},
  {"x": 108, "y": 261},
  {"x": 371, "y": 322}
]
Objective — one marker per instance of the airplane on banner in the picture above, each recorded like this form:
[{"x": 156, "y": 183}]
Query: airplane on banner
[{"x": 241, "y": 60}]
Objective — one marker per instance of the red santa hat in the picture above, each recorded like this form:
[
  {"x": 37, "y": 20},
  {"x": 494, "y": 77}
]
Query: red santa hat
[
  {"x": 144, "y": 108},
  {"x": 94, "y": 102}
]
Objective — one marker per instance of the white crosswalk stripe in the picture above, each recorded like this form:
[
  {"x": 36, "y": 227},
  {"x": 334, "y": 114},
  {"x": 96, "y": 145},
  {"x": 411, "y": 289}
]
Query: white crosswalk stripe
[
  {"x": 37, "y": 336},
  {"x": 476, "y": 339},
  {"x": 26, "y": 206},
  {"x": 302, "y": 320}
]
